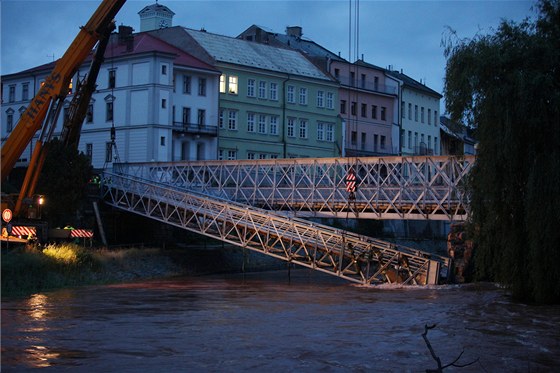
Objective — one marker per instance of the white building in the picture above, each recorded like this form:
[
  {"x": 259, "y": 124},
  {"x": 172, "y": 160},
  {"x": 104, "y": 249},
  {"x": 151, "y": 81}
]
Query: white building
[
  {"x": 419, "y": 117},
  {"x": 161, "y": 101}
]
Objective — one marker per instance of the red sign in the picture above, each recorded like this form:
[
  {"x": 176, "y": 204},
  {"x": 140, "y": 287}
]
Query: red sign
[{"x": 7, "y": 215}]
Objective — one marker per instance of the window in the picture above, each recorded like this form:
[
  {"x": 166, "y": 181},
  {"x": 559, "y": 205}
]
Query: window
[
  {"x": 410, "y": 139},
  {"x": 352, "y": 79},
  {"x": 262, "y": 123},
  {"x": 89, "y": 114},
  {"x": 25, "y": 92},
  {"x": 163, "y": 103},
  {"x": 262, "y": 156},
  {"x": 436, "y": 150},
  {"x": 363, "y": 143},
  {"x": 429, "y": 142},
  {"x": 163, "y": 69},
  {"x": 330, "y": 100},
  {"x": 342, "y": 106},
  {"x": 250, "y": 155},
  {"x": 221, "y": 119},
  {"x": 12, "y": 93},
  {"x": 375, "y": 142},
  {"x": 274, "y": 91},
  {"x": 89, "y": 151},
  {"x": 250, "y": 122},
  {"x": 415, "y": 140},
  {"x": 10, "y": 122},
  {"x": 374, "y": 111},
  {"x": 410, "y": 111},
  {"x": 416, "y": 113},
  {"x": 429, "y": 116},
  {"x": 251, "y": 88},
  {"x": 233, "y": 85},
  {"x": 222, "y": 83},
  {"x": 108, "y": 111},
  {"x": 354, "y": 138},
  {"x": 186, "y": 84},
  {"x": 382, "y": 142},
  {"x": 186, "y": 115},
  {"x": 330, "y": 133},
  {"x": 232, "y": 120},
  {"x": 383, "y": 113},
  {"x": 291, "y": 94},
  {"x": 202, "y": 86},
  {"x": 162, "y": 140},
  {"x": 112, "y": 80},
  {"x": 201, "y": 117},
  {"x": 232, "y": 155},
  {"x": 320, "y": 131},
  {"x": 262, "y": 89},
  {"x": 435, "y": 118},
  {"x": 291, "y": 127},
  {"x": 364, "y": 110},
  {"x": 273, "y": 125},
  {"x": 221, "y": 154},
  {"x": 376, "y": 83},
  {"x": 363, "y": 85},
  {"x": 422, "y": 114},
  {"x": 320, "y": 99},
  {"x": 336, "y": 73},
  {"x": 302, "y": 129},
  {"x": 403, "y": 109},
  {"x": 353, "y": 108},
  {"x": 303, "y": 96}
]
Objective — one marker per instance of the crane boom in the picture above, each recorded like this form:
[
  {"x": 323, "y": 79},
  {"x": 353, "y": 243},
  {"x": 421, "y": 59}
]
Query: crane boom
[{"x": 56, "y": 85}]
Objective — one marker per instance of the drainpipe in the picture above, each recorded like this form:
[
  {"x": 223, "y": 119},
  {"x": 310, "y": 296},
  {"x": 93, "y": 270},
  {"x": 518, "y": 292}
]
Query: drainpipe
[{"x": 284, "y": 145}]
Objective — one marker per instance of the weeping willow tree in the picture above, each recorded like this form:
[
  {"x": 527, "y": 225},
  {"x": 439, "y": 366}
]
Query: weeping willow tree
[{"x": 507, "y": 86}]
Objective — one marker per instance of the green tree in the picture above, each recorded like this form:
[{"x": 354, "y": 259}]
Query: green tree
[
  {"x": 63, "y": 180},
  {"x": 507, "y": 86}
]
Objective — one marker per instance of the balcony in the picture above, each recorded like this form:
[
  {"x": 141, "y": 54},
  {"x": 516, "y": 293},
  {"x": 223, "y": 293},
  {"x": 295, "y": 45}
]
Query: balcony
[{"x": 195, "y": 129}]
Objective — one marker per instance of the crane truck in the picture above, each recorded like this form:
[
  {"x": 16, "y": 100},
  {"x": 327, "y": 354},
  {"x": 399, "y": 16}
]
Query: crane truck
[{"x": 43, "y": 110}]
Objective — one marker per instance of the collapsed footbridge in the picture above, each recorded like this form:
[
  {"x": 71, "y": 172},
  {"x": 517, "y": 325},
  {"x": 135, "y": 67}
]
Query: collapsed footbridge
[{"x": 259, "y": 205}]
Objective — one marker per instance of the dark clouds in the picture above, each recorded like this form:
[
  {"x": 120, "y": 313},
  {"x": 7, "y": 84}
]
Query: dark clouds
[{"x": 404, "y": 34}]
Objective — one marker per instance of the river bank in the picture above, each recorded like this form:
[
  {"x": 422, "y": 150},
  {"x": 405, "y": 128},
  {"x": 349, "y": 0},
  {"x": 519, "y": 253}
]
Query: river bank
[{"x": 35, "y": 269}]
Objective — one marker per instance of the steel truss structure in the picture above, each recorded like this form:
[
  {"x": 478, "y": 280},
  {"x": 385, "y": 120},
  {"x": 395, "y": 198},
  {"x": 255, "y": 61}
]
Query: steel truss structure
[
  {"x": 341, "y": 253},
  {"x": 417, "y": 188}
]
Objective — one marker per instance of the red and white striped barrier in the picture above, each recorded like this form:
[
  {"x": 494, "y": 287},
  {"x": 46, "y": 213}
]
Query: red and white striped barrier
[
  {"x": 22, "y": 230},
  {"x": 81, "y": 233}
]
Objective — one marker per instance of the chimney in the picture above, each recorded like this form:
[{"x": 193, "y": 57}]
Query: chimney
[
  {"x": 295, "y": 31},
  {"x": 126, "y": 37}
]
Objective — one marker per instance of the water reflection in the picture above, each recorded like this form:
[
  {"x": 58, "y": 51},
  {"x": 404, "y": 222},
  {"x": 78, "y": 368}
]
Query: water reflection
[{"x": 267, "y": 322}]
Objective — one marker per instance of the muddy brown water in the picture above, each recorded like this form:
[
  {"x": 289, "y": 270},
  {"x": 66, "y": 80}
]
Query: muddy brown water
[{"x": 269, "y": 322}]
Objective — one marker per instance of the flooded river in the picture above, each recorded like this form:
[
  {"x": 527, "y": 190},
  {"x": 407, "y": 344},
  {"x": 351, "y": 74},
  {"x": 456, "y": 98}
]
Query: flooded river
[{"x": 267, "y": 322}]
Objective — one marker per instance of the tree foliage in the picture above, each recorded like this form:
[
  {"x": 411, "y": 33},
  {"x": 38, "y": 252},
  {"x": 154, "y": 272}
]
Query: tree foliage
[
  {"x": 63, "y": 180},
  {"x": 507, "y": 86}
]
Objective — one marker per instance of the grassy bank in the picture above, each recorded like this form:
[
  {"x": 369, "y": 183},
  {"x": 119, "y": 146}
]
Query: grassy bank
[{"x": 29, "y": 270}]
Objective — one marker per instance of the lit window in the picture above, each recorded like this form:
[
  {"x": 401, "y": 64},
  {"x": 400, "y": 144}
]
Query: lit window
[
  {"x": 233, "y": 85},
  {"x": 222, "y": 83}
]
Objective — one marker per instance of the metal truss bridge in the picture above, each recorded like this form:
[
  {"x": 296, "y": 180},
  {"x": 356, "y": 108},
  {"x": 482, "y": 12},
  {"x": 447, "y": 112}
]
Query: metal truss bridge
[
  {"x": 416, "y": 188},
  {"x": 356, "y": 258}
]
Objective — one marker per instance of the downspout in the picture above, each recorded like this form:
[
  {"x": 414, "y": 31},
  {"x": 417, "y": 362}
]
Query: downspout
[{"x": 284, "y": 144}]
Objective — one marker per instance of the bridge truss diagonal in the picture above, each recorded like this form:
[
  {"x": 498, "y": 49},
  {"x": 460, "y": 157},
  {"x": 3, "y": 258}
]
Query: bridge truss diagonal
[
  {"x": 354, "y": 257},
  {"x": 416, "y": 188}
]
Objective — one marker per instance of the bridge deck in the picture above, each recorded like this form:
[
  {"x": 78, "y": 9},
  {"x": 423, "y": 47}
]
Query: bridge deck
[
  {"x": 341, "y": 253},
  {"x": 386, "y": 187}
]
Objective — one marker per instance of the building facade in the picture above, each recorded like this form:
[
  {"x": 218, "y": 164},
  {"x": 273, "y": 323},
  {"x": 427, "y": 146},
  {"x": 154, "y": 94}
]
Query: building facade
[{"x": 274, "y": 103}]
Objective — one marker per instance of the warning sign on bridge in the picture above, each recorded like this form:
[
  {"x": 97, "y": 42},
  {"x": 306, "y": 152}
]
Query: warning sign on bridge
[{"x": 7, "y": 215}]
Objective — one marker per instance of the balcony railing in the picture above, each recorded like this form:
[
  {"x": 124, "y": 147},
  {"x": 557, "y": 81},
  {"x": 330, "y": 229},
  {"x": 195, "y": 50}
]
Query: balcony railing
[{"x": 195, "y": 129}]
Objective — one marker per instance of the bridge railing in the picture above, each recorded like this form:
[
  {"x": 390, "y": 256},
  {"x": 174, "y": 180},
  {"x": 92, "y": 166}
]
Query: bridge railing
[
  {"x": 420, "y": 187},
  {"x": 354, "y": 257}
]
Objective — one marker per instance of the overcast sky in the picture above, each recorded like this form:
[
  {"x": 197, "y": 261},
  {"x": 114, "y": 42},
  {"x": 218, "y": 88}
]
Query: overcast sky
[{"x": 404, "y": 34}]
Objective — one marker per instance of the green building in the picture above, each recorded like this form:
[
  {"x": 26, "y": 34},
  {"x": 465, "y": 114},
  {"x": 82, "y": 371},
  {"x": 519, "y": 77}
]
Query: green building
[{"x": 274, "y": 103}]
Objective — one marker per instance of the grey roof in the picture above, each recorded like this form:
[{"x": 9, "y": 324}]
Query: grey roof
[
  {"x": 156, "y": 7},
  {"x": 408, "y": 81},
  {"x": 261, "y": 56}
]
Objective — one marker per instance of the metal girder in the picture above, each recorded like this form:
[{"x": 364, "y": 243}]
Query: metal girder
[
  {"x": 426, "y": 187},
  {"x": 354, "y": 257}
]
